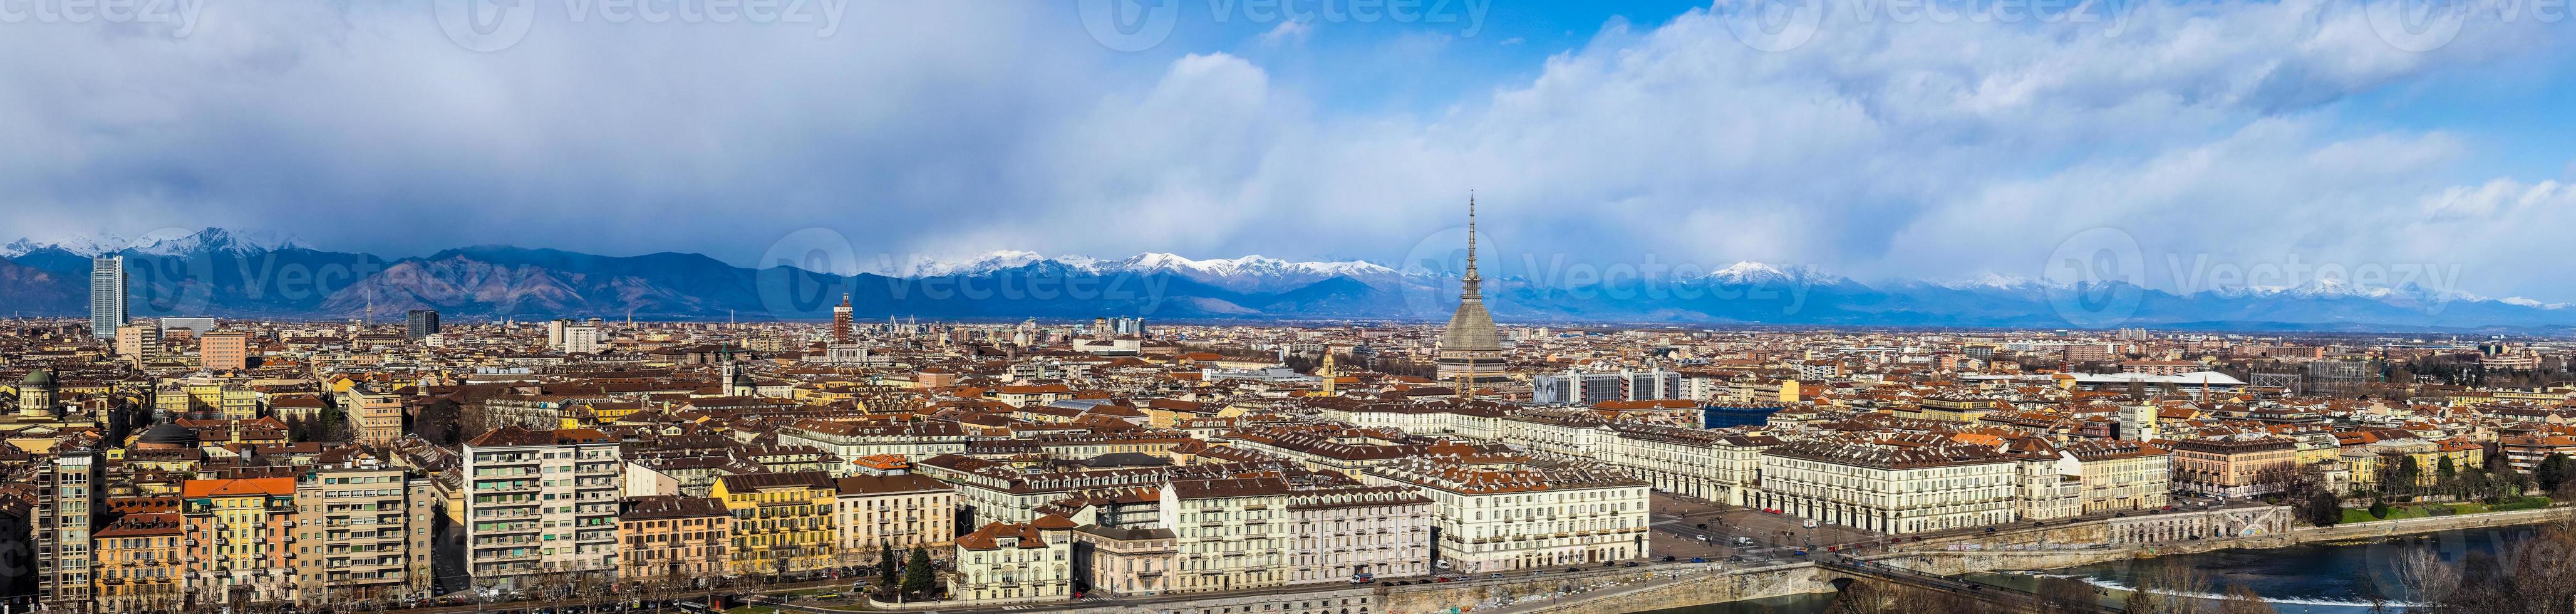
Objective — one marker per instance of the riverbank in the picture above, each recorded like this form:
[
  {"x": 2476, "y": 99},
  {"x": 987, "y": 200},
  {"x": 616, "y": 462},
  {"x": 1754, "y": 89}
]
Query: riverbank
[{"x": 2018, "y": 551}]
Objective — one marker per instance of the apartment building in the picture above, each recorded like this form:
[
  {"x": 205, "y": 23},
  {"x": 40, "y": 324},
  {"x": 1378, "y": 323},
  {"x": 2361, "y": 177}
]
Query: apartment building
[
  {"x": 1247, "y": 533},
  {"x": 2123, "y": 475},
  {"x": 2525, "y": 452},
  {"x": 362, "y": 530},
  {"x": 540, "y": 502},
  {"x": 1702, "y": 464},
  {"x": 240, "y": 540},
  {"x": 1014, "y": 562},
  {"x": 374, "y": 418},
  {"x": 69, "y": 490},
  {"x": 1347, "y": 532},
  {"x": 676, "y": 539},
  {"x": 782, "y": 523},
  {"x": 2245, "y": 466},
  {"x": 900, "y": 511},
  {"x": 1882, "y": 486},
  {"x": 1128, "y": 562},
  {"x": 142, "y": 561},
  {"x": 224, "y": 351},
  {"x": 1497, "y": 513},
  {"x": 850, "y": 441}
]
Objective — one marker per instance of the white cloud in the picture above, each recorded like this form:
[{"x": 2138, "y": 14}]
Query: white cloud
[
  {"x": 1287, "y": 33},
  {"x": 1876, "y": 149}
]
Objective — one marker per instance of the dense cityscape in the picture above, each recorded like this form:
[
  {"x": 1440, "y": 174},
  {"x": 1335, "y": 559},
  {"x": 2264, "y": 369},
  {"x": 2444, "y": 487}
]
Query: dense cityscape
[
  {"x": 1287, "y": 307},
  {"x": 188, "y": 464}
]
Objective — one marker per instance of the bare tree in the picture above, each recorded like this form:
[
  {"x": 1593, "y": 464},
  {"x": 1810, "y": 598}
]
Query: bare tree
[
  {"x": 2242, "y": 599},
  {"x": 2169, "y": 588},
  {"x": 2425, "y": 577}
]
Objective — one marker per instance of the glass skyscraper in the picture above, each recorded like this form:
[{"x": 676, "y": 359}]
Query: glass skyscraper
[{"x": 106, "y": 295}]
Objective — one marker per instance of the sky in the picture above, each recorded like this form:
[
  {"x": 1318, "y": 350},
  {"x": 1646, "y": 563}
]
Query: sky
[{"x": 1878, "y": 139}]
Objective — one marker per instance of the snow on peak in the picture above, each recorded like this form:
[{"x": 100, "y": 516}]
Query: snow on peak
[
  {"x": 175, "y": 243},
  {"x": 2525, "y": 302},
  {"x": 1995, "y": 281},
  {"x": 987, "y": 262},
  {"x": 1253, "y": 265},
  {"x": 166, "y": 242},
  {"x": 1749, "y": 272}
]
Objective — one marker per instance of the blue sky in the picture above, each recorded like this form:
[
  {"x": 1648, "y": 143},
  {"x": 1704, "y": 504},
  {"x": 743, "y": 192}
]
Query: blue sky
[{"x": 1869, "y": 142}]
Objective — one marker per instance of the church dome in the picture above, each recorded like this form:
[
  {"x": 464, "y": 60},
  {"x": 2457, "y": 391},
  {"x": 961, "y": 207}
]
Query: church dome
[
  {"x": 39, "y": 377},
  {"x": 167, "y": 436}
]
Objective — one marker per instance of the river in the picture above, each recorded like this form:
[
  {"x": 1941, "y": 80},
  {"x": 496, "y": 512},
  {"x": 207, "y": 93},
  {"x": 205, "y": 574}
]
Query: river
[{"x": 2314, "y": 578}]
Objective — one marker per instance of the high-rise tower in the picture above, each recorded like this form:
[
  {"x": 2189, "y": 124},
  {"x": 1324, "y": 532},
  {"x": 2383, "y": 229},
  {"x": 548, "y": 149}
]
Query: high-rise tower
[
  {"x": 841, "y": 321},
  {"x": 106, "y": 295},
  {"x": 1470, "y": 351}
]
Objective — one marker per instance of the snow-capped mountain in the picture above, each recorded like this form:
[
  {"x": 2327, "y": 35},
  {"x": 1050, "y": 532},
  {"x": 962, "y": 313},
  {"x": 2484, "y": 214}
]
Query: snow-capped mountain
[
  {"x": 171, "y": 242},
  {"x": 1757, "y": 273},
  {"x": 1251, "y": 273},
  {"x": 985, "y": 263},
  {"x": 247, "y": 273},
  {"x": 1246, "y": 273},
  {"x": 236, "y": 242},
  {"x": 2524, "y": 302},
  {"x": 1998, "y": 281},
  {"x": 84, "y": 246}
]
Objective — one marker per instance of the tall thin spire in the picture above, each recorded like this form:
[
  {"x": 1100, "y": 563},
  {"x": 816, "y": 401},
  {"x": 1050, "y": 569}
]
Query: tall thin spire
[{"x": 1471, "y": 278}]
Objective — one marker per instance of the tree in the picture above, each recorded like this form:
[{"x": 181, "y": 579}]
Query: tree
[
  {"x": 2161, "y": 590},
  {"x": 886, "y": 566},
  {"x": 916, "y": 573},
  {"x": 2424, "y": 577},
  {"x": 2321, "y": 508},
  {"x": 2553, "y": 471},
  {"x": 440, "y": 422},
  {"x": 2379, "y": 508}
]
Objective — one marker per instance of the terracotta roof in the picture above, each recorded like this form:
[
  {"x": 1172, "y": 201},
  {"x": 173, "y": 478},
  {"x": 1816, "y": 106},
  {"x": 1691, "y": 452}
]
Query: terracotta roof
[{"x": 237, "y": 488}]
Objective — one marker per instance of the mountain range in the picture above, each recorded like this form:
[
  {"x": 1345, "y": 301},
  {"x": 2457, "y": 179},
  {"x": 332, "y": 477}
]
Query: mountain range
[{"x": 258, "y": 274}]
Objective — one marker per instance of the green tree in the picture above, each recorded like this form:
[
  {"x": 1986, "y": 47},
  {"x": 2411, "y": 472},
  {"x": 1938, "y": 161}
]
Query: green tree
[
  {"x": 2322, "y": 507},
  {"x": 2553, "y": 471},
  {"x": 916, "y": 573},
  {"x": 886, "y": 565},
  {"x": 2379, "y": 508}
]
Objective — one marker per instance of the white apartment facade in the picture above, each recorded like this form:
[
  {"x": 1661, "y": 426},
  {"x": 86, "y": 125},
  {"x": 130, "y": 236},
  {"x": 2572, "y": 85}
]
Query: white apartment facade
[
  {"x": 1496, "y": 513},
  {"x": 540, "y": 502},
  {"x": 1888, "y": 488}
]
